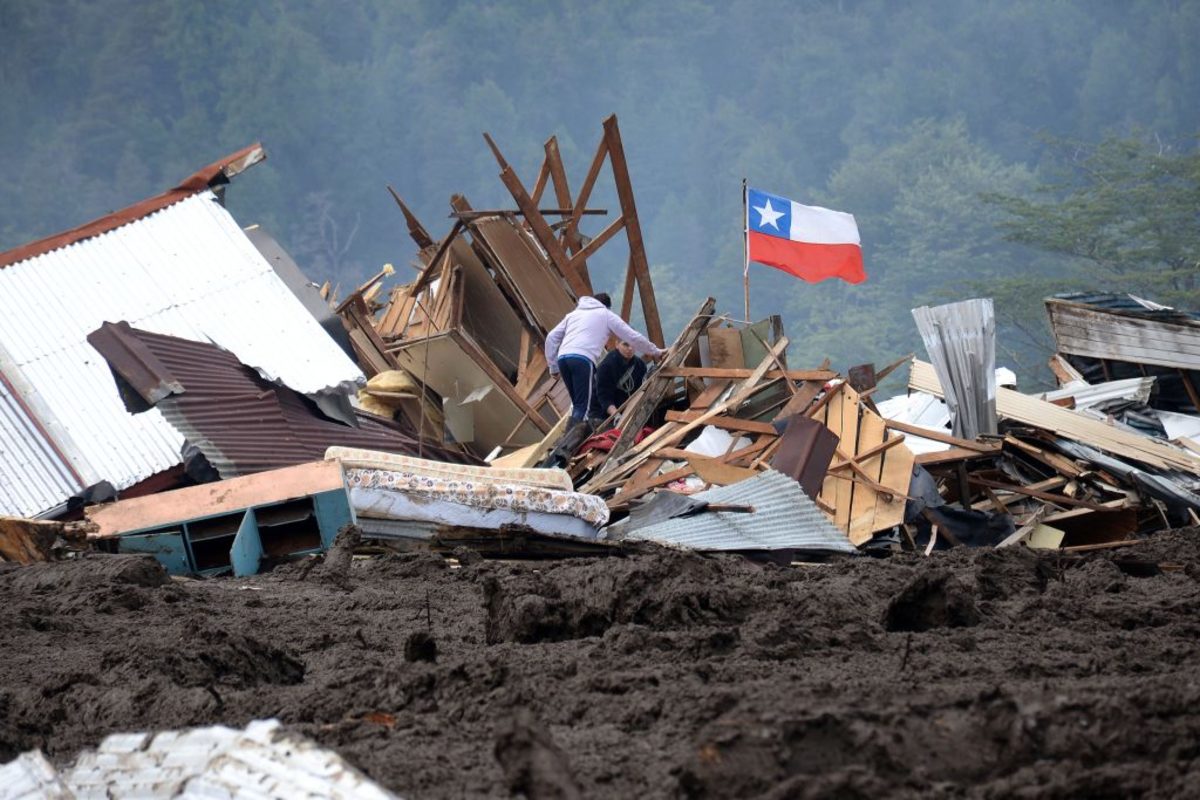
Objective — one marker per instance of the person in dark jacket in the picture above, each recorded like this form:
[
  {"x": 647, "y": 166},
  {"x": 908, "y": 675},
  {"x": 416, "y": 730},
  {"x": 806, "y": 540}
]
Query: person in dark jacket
[{"x": 619, "y": 375}]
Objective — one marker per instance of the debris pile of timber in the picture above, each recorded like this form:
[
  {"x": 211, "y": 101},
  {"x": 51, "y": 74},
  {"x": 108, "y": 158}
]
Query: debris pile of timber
[
  {"x": 726, "y": 445},
  {"x": 471, "y": 328}
]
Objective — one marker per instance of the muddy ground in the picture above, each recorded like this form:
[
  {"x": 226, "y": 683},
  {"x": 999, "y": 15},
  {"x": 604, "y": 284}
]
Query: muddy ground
[{"x": 971, "y": 673}]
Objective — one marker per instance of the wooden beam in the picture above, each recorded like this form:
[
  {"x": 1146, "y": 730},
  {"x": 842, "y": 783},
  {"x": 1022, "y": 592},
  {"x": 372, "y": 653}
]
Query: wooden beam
[
  {"x": 579, "y": 260},
  {"x": 938, "y": 436},
  {"x": 953, "y": 454},
  {"x": 474, "y": 214},
  {"x": 427, "y": 273},
  {"x": 736, "y": 373},
  {"x": 539, "y": 184},
  {"x": 589, "y": 182},
  {"x": 1057, "y": 499},
  {"x": 633, "y": 229},
  {"x": 415, "y": 229},
  {"x": 538, "y": 225},
  {"x": 728, "y": 423},
  {"x": 863, "y": 456},
  {"x": 655, "y": 388},
  {"x": 1190, "y": 388}
]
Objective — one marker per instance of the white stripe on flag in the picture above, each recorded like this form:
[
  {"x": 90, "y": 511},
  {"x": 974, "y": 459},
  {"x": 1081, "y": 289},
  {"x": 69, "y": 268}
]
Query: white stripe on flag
[{"x": 816, "y": 225}]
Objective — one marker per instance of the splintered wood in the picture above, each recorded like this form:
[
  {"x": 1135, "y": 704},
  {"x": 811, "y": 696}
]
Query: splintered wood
[
  {"x": 724, "y": 404},
  {"x": 864, "y": 489}
]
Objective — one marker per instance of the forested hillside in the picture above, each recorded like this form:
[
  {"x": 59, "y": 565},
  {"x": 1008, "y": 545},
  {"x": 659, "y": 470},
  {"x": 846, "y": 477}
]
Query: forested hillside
[{"x": 955, "y": 130}]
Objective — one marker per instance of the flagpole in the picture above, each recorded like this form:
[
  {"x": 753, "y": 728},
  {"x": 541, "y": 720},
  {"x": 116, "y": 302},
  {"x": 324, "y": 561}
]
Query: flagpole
[{"x": 746, "y": 246}]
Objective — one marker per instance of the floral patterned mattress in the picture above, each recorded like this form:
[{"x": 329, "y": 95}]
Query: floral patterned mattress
[
  {"x": 357, "y": 458},
  {"x": 483, "y": 493}
]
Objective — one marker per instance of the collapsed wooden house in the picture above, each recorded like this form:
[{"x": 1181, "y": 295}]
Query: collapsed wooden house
[{"x": 471, "y": 328}]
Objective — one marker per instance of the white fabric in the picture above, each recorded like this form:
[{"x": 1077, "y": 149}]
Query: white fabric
[
  {"x": 816, "y": 225},
  {"x": 386, "y": 504},
  {"x": 585, "y": 331}
]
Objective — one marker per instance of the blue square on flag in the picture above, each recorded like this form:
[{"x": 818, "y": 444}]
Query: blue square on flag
[{"x": 769, "y": 213}]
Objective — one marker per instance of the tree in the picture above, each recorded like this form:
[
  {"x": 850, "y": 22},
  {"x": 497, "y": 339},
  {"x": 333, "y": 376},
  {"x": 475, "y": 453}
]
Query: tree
[{"x": 1125, "y": 210}]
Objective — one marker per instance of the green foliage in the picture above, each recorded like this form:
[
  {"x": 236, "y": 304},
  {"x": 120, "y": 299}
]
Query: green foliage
[
  {"x": 902, "y": 113},
  {"x": 1124, "y": 210}
]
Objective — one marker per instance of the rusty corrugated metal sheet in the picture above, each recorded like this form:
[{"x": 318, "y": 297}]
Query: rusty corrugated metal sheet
[
  {"x": 805, "y": 451},
  {"x": 242, "y": 423},
  {"x": 218, "y": 172}
]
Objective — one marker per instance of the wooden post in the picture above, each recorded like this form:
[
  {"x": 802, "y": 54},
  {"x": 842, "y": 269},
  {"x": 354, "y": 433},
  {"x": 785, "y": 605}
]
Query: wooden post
[
  {"x": 633, "y": 230},
  {"x": 746, "y": 246}
]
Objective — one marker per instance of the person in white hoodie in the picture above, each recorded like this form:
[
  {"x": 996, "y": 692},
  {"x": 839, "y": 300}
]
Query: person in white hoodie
[{"x": 576, "y": 344}]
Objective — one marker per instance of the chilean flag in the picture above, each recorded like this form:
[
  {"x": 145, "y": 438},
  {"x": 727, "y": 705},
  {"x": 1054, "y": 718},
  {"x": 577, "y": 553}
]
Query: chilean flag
[{"x": 809, "y": 242}]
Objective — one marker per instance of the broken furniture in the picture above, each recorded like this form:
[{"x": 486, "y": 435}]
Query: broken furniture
[{"x": 234, "y": 525}]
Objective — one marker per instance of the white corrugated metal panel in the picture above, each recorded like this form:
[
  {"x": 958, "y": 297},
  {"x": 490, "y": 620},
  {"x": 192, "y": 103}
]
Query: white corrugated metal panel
[
  {"x": 1087, "y": 395},
  {"x": 784, "y": 518},
  {"x": 961, "y": 341},
  {"x": 31, "y": 777},
  {"x": 260, "y": 761},
  {"x": 33, "y": 477},
  {"x": 918, "y": 408},
  {"x": 187, "y": 270}
]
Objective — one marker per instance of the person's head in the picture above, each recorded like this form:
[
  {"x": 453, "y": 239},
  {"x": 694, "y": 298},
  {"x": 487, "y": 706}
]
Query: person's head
[
  {"x": 603, "y": 298},
  {"x": 625, "y": 349}
]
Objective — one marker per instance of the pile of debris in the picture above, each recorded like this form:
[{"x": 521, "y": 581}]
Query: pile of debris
[{"x": 425, "y": 414}]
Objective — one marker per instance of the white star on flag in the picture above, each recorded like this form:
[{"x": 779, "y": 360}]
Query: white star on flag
[{"x": 768, "y": 215}]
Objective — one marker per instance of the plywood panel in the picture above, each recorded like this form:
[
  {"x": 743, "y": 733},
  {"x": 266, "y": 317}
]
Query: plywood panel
[
  {"x": 1097, "y": 333},
  {"x": 444, "y": 364},
  {"x": 527, "y": 268},
  {"x": 862, "y": 510},
  {"x": 725, "y": 348},
  {"x": 487, "y": 316},
  {"x": 213, "y": 499}
]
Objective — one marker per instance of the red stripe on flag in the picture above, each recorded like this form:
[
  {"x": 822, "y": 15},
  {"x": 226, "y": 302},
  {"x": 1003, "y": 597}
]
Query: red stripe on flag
[{"x": 810, "y": 262}]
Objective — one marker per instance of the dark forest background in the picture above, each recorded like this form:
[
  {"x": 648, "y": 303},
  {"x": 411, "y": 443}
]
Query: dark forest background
[{"x": 1006, "y": 149}]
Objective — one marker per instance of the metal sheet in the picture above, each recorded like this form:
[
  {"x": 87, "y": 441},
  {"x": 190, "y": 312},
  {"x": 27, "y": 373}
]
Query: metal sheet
[
  {"x": 805, "y": 451},
  {"x": 784, "y": 518},
  {"x": 240, "y": 422},
  {"x": 961, "y": 341},
  {"x": 259, "y": 761},
  {"x": 33, "y": 476},
  {"x": 186, "y": 270}
]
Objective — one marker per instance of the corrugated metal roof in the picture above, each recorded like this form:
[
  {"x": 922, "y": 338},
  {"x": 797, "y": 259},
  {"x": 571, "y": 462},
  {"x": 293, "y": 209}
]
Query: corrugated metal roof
[
  {"x": 242, "y": 423},
  {"x": 186, "y": 270},
  {"x": 784, "y": 518},
  {"x": 33, "y": 476},
  {"x": 1124, "y": 302},
  {"x": 215, "y": 174}
]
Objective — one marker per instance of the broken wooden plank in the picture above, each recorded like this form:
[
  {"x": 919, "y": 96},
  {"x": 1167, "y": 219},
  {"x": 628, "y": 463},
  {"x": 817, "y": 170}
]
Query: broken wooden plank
[
  {"x": 734, "y": 373},
  {"x": 644, "y": 402},
  {"x": 721, "y": 421},
  {"x": 943, "y": 437}
]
